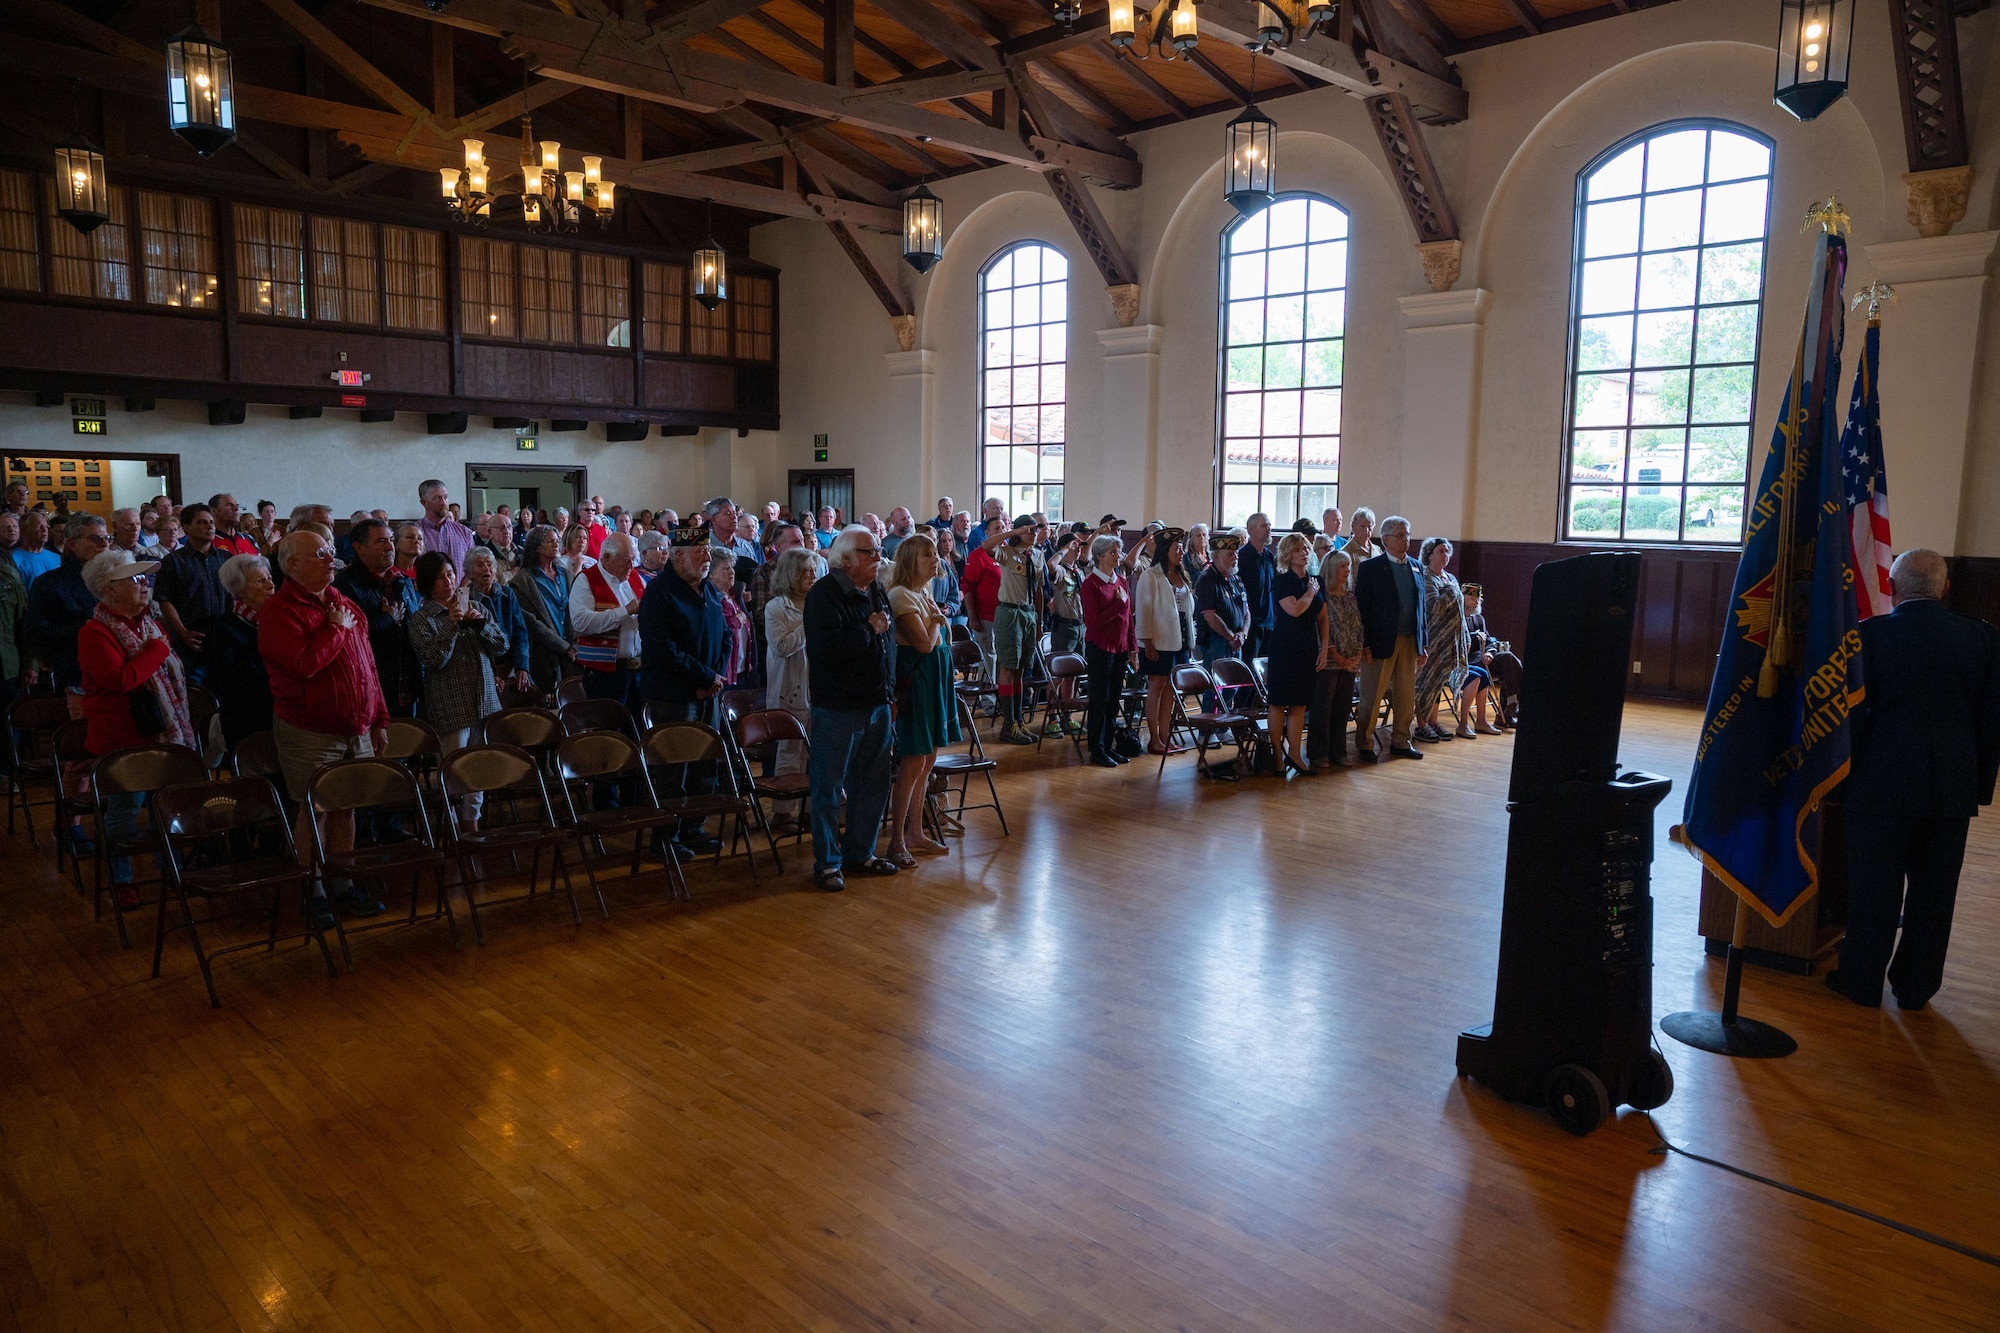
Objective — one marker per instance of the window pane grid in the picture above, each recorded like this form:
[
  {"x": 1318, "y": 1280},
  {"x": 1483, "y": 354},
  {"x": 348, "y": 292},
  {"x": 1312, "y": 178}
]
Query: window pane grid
[
  {"x": 607, "y": 287},
  {"x": 486, "y": 287},
  {"x": 20, "y": 264},
  {"x": 548, "y": 296},
  {"x": 177, "y": 249},
  {"x": 1283, "y": 348},
  {"x": 1670, "y": 262},
  {"x": 344, "y": 274},
  {"x": 1024, "y": 379},
  {"x": 98, "y": 265},
  {"x": 270, "y": 261},
  {"x": 665, "y": 286},
  {"x": 413, "y": 279}
]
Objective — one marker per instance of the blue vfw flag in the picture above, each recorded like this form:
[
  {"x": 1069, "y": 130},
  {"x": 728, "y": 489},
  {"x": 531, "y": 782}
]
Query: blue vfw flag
[{"x": 1776, "y": 740}]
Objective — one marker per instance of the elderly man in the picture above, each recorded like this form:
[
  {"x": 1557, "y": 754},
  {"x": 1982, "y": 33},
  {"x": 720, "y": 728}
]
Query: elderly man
[
  {"x": 326, "y": 702},
  {"x": 1389, "y": 591},
  {"x": 441, "y": 531},
  {"x": 189, "y": 590},
  {"x": 1221, "y": 607},
  {"x": 773, "y": 512},
  {"x": 229, "y": 534},
  {"x": 386, "y": 600},
  {"x": 304, "y": 514},
  {"x": 125, "y": 531},
  {"x": 17, "y": 498},
  {"x": 747, "y": 529},
  {"x": 31, "y": 555},
  {"x": 947, "y": 512},
  {"x": 59, "y": 604},
  {"x": 604, "y": 613},
  {"x": 901, "y": 524},
  {"x": 720, "y": 516},
  {"x": 1926, "y": 751},
  {"x": 1330, "y": 522},
  {"x": 684, "y": 644},
  {"x": 500, "y": 542},
  {"x": 991, "y": 508},
  {"x": 1257, "y": 566},
  {"x": 851, "y": 674}
]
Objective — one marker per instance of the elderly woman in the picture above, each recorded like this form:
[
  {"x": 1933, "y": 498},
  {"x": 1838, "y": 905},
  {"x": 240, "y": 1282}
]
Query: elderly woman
[
  {"x": 1163, "y": 621},
  {"x": 235, "y": 667},
  {"x": 575, "y": 555},
  {"x": 1295, "y": 651},
  {"x": 1198, "y": 559},
  {"x": 134, "y": 692},
  {"x": 926, "y": 707},
  {"x": 1107, "y": 647},
  {"x": 409, "y": 546},
  {"x": 1333, "y": 684},
  {"x": 785, "y": 654},
  {"x": 458, "y": 645},
  {"x": 736, "y": 664},
  {"x": 503, "y": 607},
  {"x": 1445, "y": 639},
  {"x": 542, "y": 590}
]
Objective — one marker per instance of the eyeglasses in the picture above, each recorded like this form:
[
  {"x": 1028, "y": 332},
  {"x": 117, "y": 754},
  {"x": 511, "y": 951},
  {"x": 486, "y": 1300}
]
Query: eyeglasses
[{"x": 875, "y": 551}]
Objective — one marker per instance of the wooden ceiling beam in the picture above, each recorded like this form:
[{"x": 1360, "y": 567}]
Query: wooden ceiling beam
[
  {"x": 797, "y": 41},
  {"x": 1143, "y": 81},
  {"x": 1424, "y": 17},
  {"x": 1525, "y": 14},
  {"x": 351, "y": 63},
  {"x": 938, "y": 88},
  {"x": 1098, "y": 102},
  {"x": 1231, "y": 89},
  {"x": 1391, "y": 32},
  {"x": 700, "y": 18},
  {"x": 945, "y": 35},
  {"x": 62, "y": 19},
  {"x": 1099, "y": 241},
  {"x": 884, "y": 284},
  {"x": 1361, "y": 72},
  {"x": 837, "y": 42},
  {"x": 714, "y": 159},
  {"x": 1092, "y": 26},
  {"x": 444, "y": 76}
]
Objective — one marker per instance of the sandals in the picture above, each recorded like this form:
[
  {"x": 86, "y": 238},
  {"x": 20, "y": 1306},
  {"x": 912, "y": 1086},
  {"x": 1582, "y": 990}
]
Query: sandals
[{"x": 901, "y": 856}]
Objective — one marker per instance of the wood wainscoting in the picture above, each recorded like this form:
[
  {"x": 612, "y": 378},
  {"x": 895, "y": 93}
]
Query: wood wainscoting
[{"x": 1683, "y": 605}]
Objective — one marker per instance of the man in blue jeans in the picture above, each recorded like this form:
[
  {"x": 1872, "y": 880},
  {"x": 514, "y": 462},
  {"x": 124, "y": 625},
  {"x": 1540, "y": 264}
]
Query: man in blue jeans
[{"x": 851, "y": 671}]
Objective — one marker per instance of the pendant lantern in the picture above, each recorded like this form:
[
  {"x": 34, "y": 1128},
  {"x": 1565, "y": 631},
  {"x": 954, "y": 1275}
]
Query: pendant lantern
[
  {"x": 1251, "y": 183},
  {"x": 1815, "y": 39},
  {"x": 923, "y": 230},
  {"x": 1121, "y": 32},
  {"x": 82, "y": 199},
  {"x": 201, "y": 91},
  {"x": 711, "y": 270}
]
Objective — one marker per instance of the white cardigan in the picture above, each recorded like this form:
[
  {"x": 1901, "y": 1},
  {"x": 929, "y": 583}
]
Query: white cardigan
[
  {"x": 1155, "y": 615},
  {"x": 785, "y": 657}
]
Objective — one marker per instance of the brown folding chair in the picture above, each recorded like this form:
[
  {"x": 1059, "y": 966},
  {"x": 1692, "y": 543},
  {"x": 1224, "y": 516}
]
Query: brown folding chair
[
  {"x": 968, "y": 668},
  {"x": 1240, "y": 690},
  {"x": 256, "y": 756},
  {"x": 513, "y": 696},
  {"x": 202, "y": 708},
  {"x": 1065, "y": 701},
  {"x": 1205, "y": 726},
  {"x": 597, "y": 715},
  {"x": 569, "y": 690},
  {"x": 536, "y": 730},
  {"x": 135, "y": 772},
  {"x": 608, "y": 759},
  {"x": 74, "y": 804},
  {"x": 682, "y": 744},
  {"x": 771, "y": 727},
  {"x": 219, "y": 840},
  {"x": 415, "y": 744},
  {"x": 505, "y": 771},
  {"x": 31, "y": 727},
  {"x": 962, "y": 766},
  {"x": 383, "y": 786}
]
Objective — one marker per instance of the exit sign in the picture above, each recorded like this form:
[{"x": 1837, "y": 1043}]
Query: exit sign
[
  {"x": 349, "y": 379},
  {"x": 87, "y": 425},
  {"x": 86, "y": 407},
  {"x": 527, "y": 443},
  {"x": 819, "y": 448}
]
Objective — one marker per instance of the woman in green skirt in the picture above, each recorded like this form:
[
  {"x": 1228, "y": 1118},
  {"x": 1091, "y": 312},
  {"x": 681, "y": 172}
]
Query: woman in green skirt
[{"x": 925, "y": 714}]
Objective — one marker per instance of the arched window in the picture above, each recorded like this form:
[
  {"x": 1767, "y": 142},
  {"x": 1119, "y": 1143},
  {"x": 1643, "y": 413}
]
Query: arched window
[
  {"x": 1023, "y": 381},
  {"x": 1284, "y": 320},
  {"x": 1668, "y": 288}
]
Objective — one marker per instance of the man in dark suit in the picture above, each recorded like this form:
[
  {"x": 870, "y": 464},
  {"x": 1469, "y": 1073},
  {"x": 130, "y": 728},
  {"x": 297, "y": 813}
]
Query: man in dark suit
[
  {"x": 1926, "y": 750},
  {"x": 1389, "y": 591}
]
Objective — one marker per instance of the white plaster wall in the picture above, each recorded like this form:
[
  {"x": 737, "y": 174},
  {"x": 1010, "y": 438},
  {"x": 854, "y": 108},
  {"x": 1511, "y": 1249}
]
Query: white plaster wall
[
  {"x": 341, "y": 461},
  {"x": 1542, "y": 108}
]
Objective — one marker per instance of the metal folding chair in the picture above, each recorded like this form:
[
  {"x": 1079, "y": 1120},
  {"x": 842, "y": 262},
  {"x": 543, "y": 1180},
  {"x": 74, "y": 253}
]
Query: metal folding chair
[
  {"x": 135, "y": 772},
  {"x": 383, "y": 786},
  {"x": 505, "y": 772}
]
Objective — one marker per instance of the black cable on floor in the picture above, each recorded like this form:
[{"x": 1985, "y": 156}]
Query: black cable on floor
[{"x": 1929, "y": 1238}]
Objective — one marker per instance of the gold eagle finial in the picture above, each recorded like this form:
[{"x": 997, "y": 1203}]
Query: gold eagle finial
[
  {"x": 1830, "y": 216},
  {"x": 1876, "y": 294}
]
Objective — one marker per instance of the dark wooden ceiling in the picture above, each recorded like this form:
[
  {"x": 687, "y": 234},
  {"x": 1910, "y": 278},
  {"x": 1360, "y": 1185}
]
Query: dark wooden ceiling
[{"x": 362, "y": 97}]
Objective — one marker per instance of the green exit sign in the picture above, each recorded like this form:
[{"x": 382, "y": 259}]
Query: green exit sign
[
  {"x": 527, "y": 443},
  {"x": 819, "y": 448}
]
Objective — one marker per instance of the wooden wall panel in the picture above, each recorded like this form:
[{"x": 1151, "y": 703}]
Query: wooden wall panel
[
  {"x": 121, "y": 342},
  {"x": 698, "y": 386},
  {"x": 1681, "y": 614},
  {"x": 546, "y": 374},
  {"x": 304, "y": 355}
]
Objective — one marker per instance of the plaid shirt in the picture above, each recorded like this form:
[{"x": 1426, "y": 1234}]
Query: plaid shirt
[
  {"x": 189, "y": 582},
  {"x": 458, "y": 661}
]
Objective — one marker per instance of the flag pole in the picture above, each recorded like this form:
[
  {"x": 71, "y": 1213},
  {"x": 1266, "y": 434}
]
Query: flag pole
[{"x": 1728, "y": 1032}]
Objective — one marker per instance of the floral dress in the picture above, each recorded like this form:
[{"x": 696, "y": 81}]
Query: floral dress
[{"x": 1445, "y": 639}]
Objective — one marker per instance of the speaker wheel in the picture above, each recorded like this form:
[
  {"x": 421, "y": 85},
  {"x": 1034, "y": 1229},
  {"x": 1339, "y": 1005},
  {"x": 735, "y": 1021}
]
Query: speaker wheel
[
  {"x": 1576, "y": 1099},
  {"x": 1651, "y": 1084}
]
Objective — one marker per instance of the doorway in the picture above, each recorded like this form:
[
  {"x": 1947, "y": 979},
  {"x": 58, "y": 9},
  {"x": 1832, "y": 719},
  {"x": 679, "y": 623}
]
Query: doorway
[
  {"x": 539, "y": 486},
  {"x": 92, "y": 482},
  {"x": 823, "y": 489}
]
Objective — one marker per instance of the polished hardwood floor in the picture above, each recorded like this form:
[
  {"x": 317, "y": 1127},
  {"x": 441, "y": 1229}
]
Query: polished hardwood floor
[{"x": 1173, "y": 1056}]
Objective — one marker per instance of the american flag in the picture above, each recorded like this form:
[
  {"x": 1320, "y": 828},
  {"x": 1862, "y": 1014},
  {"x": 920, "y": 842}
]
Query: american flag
[{"x": 1866, "y": 484}]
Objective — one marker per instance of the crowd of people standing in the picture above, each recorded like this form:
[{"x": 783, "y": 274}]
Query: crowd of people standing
[{"x": 321, "y": 639}]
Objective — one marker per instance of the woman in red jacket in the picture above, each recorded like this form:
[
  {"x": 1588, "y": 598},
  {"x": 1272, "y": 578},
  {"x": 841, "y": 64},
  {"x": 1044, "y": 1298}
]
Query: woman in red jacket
[
  {"x": 134, "y": 692},
  {"x": 981, "y": 586},
  {"x": 1107, "y": 646}
]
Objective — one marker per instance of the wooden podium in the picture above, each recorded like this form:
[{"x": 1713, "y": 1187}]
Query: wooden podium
[{"x": 1814, "y": 930}]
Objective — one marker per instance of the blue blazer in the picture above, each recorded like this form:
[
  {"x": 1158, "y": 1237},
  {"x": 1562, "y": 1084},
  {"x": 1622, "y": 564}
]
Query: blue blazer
[
  {"x": 1927, "y": 731},
  {"x": 1375, "y": 594}
]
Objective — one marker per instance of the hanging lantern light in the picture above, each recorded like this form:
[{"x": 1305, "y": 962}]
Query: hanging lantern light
[
  {"x": 1121, "y": 31},
  {"x": 1319, "y": 12},
  {"x": 201, "y": 91},
  {"x": 1270, "y": 26},
  {"x": 1815, "y": 39},
  {"x": 604, "y": 205},
  {"x": 574, "y": 181},
  {"x": 711, "y": 268},
  {"x": 81, "y": 194},
  {"x": 1185, "y": 35},
  {"x": 923, "y": 230},
  {"x": 1250, "y": 138}
]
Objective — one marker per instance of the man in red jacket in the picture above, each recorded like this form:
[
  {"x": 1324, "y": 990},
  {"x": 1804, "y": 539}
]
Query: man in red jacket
[{"x": 325, "y": 696}]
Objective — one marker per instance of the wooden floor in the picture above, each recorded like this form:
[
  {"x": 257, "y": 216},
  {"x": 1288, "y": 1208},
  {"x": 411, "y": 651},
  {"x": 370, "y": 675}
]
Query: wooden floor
[{"x": 1173, "y": 1056}]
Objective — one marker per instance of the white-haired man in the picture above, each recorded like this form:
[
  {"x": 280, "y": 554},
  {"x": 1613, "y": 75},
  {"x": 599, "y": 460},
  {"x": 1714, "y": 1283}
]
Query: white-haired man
[
  {"x": 604, "y": 615},
  {"x": 1926, "y": 751},
  {"x": 1389, "y": 591},
  {"x": 851, "y": 667}
]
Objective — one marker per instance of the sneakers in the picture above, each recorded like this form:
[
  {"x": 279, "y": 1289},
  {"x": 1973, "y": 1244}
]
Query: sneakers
[
  {"x": 357, "y": 904},
  {"x": 830, "y": 882}
]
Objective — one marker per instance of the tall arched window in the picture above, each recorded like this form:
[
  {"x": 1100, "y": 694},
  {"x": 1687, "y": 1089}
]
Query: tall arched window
[
  {"x": 1023, "y": 381},
  {"x": 1284, "y": 321},
  {"x": 1668, "y": 288}
]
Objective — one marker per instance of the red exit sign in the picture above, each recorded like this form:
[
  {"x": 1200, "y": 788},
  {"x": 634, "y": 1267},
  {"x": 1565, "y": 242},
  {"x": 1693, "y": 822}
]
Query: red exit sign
[{"x": 349, "y": 379}]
